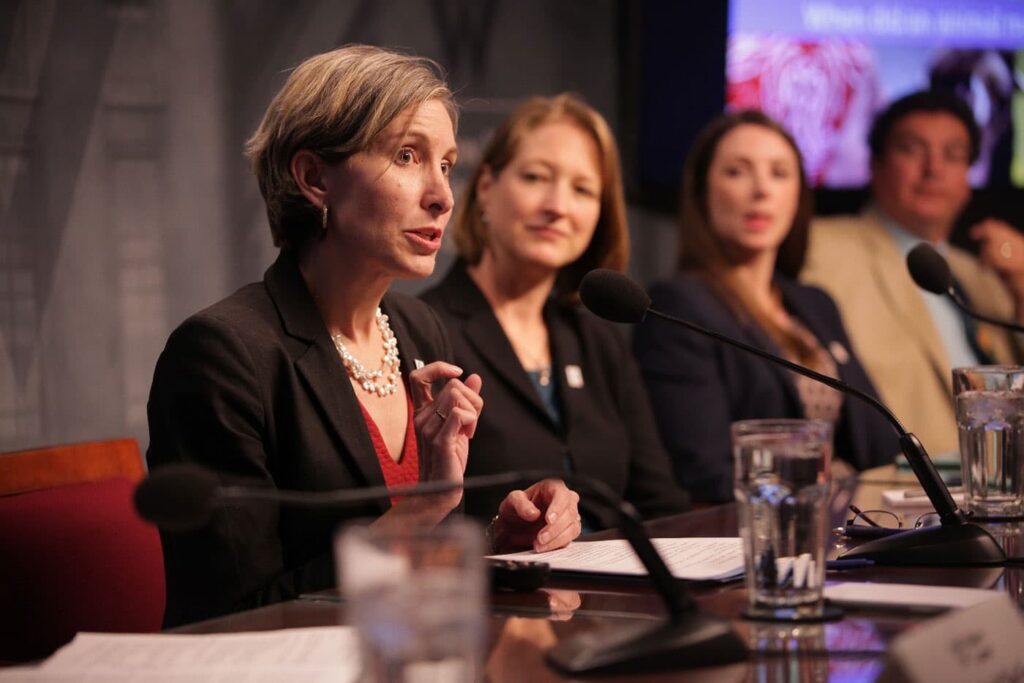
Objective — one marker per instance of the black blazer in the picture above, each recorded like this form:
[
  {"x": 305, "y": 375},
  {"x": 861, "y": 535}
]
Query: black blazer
[
  {"x": 699, "y": 386},
  {"x": 607, "y": 430},
  {"x": 253, "y": 388}
]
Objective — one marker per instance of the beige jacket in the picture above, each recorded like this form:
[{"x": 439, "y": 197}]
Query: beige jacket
[{"x": 860, "y": 265}]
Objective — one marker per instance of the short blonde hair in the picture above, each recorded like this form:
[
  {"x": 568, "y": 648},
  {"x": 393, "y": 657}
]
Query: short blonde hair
[
  {"x": 609, "y": 248},
  {"x": 333, "y": 104}
]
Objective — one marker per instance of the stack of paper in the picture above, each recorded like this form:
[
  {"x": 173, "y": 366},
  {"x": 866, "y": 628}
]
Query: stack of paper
[
  {"x": 695, "y": 559},
  {"x": 305, "y": 655}
]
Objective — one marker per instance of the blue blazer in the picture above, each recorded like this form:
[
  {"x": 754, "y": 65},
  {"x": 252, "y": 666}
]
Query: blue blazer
[{"x": 699, "y": 386}]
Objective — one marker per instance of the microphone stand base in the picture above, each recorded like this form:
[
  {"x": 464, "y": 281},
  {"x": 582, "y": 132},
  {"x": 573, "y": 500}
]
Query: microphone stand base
[
  {"x": 690, "y": 641},
  {"x": 953, "y": 544}
]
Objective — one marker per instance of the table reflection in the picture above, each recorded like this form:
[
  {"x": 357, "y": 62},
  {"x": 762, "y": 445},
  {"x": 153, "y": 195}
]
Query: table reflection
[
  {"x": 562, "y": 603},
  {"x": 518, "y": 651},
  {"x": 1009, "y": 534},
  {"x": 815, "y": 652}
]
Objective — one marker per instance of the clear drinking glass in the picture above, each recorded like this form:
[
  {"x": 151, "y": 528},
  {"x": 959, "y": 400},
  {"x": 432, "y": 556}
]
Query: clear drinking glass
[
  {"x": 782, "y": 489},
  {"x": 417, "y": 598},
  {"x": 990, "y": 421}
]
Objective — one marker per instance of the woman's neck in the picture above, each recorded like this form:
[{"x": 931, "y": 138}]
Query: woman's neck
[
  {"x": 513, "y": 291},
  {"x": 346, "y": 295},
  {"x": 755, "y": 276}
]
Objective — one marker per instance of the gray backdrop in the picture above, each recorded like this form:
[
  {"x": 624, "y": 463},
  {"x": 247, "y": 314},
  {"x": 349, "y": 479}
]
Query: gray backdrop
[{"x": 126, "y": 204}]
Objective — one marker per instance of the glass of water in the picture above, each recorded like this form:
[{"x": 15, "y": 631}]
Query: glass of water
[
  {"x": 417, "y": 598},
  {"x": 782, "y": 489},
  {"x": 990, "y": 421}
]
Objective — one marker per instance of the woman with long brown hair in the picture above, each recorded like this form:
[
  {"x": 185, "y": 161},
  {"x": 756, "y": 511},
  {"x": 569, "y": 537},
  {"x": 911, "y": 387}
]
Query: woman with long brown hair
[
  {"x": 746, "y": 210},
  {"x": 545, "y": 206}
]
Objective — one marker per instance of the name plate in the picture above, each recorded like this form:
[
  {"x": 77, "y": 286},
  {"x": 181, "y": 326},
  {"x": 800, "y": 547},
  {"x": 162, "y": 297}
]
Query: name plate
[{"x": 982, "y": 644}]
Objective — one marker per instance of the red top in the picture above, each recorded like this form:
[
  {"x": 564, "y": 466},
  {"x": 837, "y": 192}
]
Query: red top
[{"x": 407, "y": 469}]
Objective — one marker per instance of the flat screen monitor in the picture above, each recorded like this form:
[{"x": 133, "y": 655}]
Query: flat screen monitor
[{"x": 824, "y": 68}]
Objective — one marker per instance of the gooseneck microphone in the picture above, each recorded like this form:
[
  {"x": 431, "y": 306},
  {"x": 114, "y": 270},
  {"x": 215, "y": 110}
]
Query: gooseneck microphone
[
  {"x": 613, "y": 296},
  {"x": 180, "y": 497},
  {"x": 930, "y": 272}
]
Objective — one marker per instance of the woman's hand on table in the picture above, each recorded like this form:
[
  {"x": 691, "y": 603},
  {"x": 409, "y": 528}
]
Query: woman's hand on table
[{"x": 544, "y": 517}]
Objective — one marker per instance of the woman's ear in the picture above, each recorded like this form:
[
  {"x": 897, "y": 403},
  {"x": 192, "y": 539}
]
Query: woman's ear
[
  {"x": 484, "y": 183},
  {"x": 307, "y": 170}
]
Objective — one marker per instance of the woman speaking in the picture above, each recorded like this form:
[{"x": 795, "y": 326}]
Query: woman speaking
[{"x": 318, "y": 378}]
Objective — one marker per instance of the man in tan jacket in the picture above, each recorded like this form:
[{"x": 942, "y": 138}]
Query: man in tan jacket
[{"x": 921, "y": 149}]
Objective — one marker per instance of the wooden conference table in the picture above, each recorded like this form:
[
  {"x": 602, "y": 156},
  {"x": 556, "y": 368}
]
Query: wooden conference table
[{"x": 524, "y": 626}]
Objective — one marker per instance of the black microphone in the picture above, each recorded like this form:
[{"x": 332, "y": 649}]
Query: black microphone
[
  {"x": 184, "y": 496},
  {"x": 178, "y": 497},
  {"x": 930, "y": 272},
  {"x": 613, "y": 296}
]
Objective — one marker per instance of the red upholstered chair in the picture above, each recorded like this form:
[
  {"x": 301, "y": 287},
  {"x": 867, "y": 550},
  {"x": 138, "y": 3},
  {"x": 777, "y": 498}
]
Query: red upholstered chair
[
  {"x": 74, "y": 555},
  {"x": 43, "y": 468}
]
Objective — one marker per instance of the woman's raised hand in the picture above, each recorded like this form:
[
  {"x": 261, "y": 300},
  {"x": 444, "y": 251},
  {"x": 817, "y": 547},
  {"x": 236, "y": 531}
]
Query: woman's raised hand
[
  {"x": 544, "y": 516},
  {"x": 445, "y": 423}
]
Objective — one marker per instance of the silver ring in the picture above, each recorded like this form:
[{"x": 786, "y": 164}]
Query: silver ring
[{"x": 440, "y": 415}]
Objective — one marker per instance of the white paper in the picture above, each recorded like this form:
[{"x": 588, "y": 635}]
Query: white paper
[
  {"x": 305, "y": 655},
  {"x": 905, "y": 595},
  {"x": 898, "y": 499},
  {"x": 695, "y": 559}
]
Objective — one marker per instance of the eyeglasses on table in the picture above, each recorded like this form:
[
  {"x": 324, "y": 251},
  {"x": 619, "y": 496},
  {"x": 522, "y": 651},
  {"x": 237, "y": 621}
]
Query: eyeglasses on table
[{"x": 878, "y": 523}]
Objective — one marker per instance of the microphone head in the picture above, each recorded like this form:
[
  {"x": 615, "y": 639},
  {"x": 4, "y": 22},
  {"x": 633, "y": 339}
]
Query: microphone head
[
  {"x": 613, "y": 296},
  {"x": 929, "y": 270},
  {"x": 177, "y": 497}
]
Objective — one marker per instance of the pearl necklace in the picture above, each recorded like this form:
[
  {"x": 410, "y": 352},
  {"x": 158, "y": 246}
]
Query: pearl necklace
[{"x": 383, "y": 381}]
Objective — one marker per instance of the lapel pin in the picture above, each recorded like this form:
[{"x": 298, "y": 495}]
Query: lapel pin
[
  {"x": 839, "y": 352},
  {"x": 574, "y": 376},
  {"x": 417, "y": 363}
]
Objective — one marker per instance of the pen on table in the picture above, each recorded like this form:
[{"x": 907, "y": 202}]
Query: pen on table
[{"x": 833, "y": 565}]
